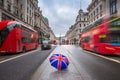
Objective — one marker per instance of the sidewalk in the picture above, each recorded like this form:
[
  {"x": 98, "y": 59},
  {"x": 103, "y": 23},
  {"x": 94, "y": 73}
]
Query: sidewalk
[{"x": 47, "y": 72}]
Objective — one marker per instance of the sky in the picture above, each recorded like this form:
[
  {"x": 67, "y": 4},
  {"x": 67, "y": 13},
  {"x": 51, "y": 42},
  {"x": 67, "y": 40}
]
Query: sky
[{"x": 62, "y": 13}]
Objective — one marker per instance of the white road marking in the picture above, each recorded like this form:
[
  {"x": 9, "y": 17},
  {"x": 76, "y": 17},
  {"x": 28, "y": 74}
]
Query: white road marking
[
  {"x": 41, "y": 71},
  {"x": 110, "y": 59},
  {"x": 31, "y": 52},
  {"x": 77, "y": 65}
]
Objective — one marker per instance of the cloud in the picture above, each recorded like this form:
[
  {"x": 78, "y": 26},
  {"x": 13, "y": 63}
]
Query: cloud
[
  {"x": 61, "y": 13},
  {"x": 66, "y": 12}
]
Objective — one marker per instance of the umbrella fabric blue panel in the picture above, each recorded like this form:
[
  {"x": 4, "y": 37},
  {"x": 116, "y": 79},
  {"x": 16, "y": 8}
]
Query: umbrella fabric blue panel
[{"x": 59, "y": 61}]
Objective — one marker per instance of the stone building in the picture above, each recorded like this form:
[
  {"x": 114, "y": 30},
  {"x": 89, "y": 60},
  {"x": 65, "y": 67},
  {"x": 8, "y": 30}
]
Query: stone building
[
  {"x": 96, "y": 10},
  {"x": 27, "y": 12},
  {"x": 112, "y": 7},
  {"x": 73, "y": 35},
  {"x": 101, "y": 8},
  {"x": 19, "y": 10},
  {"x": 52, "y": 36}
]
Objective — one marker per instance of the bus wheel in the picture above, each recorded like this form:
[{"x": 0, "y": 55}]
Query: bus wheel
[
  {"x": 24, "y": 49},
  {"x": 82, "y": 46},
  {"x": 36, "y": 46},
  {"x": 95, "y": 49}
]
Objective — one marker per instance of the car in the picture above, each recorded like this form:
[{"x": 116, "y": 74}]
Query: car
[{"x": 46, "y": 44}]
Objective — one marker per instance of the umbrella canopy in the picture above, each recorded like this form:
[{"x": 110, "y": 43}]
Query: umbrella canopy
[{"x": 59, "y": 61}]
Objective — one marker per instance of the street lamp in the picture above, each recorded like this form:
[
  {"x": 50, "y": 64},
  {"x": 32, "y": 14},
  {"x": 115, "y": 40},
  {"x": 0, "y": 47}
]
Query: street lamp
[{"x": 60, "y": 39}]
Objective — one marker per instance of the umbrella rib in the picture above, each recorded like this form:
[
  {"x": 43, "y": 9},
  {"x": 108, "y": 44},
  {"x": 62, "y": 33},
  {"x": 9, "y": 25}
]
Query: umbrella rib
[
  {"x": 53, "y": 61},
  {"x": 65, "y": 63}
]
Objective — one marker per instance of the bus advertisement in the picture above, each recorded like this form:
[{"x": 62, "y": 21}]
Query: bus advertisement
[
  {"x": 16, "y": 37},
  {"x": 103, "y": 36}
]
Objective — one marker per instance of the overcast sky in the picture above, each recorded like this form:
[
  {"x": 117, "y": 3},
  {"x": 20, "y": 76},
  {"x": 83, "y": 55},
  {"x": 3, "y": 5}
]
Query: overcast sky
[{"x": 62, "y": 13}]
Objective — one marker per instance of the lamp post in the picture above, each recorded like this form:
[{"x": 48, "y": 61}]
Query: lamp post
[{"x": 60, "y": 39}]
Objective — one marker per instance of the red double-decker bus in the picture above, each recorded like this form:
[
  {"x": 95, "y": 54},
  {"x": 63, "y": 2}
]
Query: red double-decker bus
[
  {"x": 103, "y": 36},
  {"x": 16, "y": 37}
]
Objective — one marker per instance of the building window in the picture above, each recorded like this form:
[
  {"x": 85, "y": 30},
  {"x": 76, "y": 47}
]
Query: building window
[
  {"x": 80, "y": 30},
  {"x": 9, "y": 7},
  {"x": 15, "y": 11},
  {"x": 17, "y": 1},
  {"x": 1, "y": 3},
  {"x": 84, "y": 25},
  {"x": 80, "y": 19},
  {"x": 27, "y": 19},
  {"x": 6, "y": 17},
  {"x": 84, "y": 19},
  {"x": 21, "y": 17},
  {"x": 113, "y": 6},
  {"x": 101, "y": 12},
  {"x": 80, "y": 25},
  {"x": 97, "y": 11},
  {"x": 21, "y": 6},
  {"x": 100, "y": 8}
]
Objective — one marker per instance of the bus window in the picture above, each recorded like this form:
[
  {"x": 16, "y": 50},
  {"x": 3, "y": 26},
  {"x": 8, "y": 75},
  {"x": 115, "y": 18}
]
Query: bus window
[
  {"x": 23, "y": 40},
  {"x": 115, "y": 23},
  {"x": 114, "y": 31},
  {"x": 114, "y": 38},
  {"x": 105, "y": 38},
  {"x": 102, "y": 38},
  {"x": 110, "y": 38},
  {"x": 17, "y": 26},
  {"x": 86, "y": 40},
  {"x": 11, "y": 26}
]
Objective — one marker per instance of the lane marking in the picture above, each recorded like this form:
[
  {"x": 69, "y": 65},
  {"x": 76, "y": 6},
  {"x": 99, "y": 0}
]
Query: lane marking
[
  {"x": 110, "y": 59},
  {"x": 18, "y": 56},
  {"x": 76, "y": 65},
  {"x": 42, "y": 68}
]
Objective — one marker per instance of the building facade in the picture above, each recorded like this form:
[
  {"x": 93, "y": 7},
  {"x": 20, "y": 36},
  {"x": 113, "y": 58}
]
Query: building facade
[
  {"x": 102, "y": 8},
  {"x": 113, "y": 7},
  {"x": 97, "y": 9},
  {"x": 52, "y": 36},
  {"x": 73, "y": 35},
  {"x": 27, "y": 12}
]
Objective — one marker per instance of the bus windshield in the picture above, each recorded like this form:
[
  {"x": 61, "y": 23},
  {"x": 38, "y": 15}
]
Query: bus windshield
[{"x": 4, "y": 33}]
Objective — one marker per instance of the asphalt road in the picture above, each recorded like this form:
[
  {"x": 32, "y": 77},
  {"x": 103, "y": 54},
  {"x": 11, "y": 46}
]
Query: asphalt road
[
  {"x": 22, "y": 66},
  {"x": 93, "y": 66},
  {"x": 84, "y": 65}
]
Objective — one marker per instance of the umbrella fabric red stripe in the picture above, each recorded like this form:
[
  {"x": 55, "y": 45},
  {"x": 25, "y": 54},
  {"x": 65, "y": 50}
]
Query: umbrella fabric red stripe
[{"x": 59, "y": 61}]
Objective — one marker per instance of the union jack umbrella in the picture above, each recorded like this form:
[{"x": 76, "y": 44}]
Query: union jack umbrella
[{"x": 59, "y": 61}]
